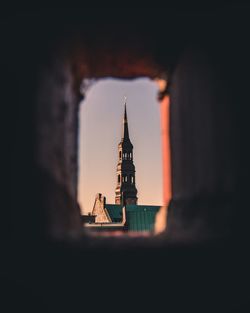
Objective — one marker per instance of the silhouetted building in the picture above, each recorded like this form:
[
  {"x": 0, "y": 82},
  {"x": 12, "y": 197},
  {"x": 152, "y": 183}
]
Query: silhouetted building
[
  {"x": 88, "y": 218},
  {"x": 126, "y": 192}
]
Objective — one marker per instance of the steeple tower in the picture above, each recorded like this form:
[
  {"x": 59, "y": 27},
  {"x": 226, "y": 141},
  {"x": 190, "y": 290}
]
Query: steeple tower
[
  {"x": 125, "y": 135},
  {"x": 126, "y": 192}
]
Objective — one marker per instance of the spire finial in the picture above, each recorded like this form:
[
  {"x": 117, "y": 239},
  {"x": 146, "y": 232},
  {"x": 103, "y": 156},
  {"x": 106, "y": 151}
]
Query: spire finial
[
  {"x": 125, "y": 111},
  {"x": 125, "y": 134}
]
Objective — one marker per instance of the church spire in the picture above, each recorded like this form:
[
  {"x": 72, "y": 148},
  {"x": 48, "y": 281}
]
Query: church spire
[
  {"x": 126, "y": 192},
  {"x": 125, "y": 135}
]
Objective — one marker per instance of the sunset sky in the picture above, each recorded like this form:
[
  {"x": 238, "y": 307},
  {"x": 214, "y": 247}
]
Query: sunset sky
[{"x": 100, "y": 119}]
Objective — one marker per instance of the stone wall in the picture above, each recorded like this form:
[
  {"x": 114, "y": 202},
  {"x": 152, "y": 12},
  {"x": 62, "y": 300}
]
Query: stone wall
[
  {"x": 204, "y": 137},
  {"x": 151, "y": 274}
]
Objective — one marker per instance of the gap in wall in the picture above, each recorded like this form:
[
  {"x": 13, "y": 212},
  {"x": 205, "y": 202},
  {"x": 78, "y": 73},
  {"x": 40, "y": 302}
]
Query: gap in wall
[{"x": 100, "y": 131}]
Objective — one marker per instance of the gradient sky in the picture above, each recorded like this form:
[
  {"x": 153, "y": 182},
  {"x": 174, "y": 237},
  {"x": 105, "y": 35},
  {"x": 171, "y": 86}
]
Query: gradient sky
[{"x": 100, "y": 119}]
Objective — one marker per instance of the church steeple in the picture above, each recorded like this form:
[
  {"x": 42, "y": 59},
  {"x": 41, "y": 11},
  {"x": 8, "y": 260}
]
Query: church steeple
[
  {"x": 125, "y": 135},
  {"x": 126, "y": 192}
]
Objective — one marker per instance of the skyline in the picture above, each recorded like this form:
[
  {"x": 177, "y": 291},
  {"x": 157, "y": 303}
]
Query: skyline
[{"x": 100, "y": 130}]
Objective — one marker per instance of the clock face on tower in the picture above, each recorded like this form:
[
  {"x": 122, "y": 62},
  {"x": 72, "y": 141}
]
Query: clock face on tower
[{"x": 126, "y": 192}]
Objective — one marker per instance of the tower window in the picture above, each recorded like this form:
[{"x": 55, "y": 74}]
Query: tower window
[
  {"x": 119, "y": 178},
  {"x": 131, "y": 179},
  {"x": 120, "y": 155},
  {"x": 126, "y": 178}
]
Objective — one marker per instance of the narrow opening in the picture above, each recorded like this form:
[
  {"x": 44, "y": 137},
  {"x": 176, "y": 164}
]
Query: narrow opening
[
  {"x": 120, "y": 136},
  {"x": 131, "y": 179}
]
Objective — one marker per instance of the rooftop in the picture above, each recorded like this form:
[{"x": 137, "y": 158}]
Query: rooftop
[{"x": 138, "y": 217}]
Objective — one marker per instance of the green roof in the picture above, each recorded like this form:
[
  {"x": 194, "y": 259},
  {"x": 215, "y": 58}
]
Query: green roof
[
  {"x": 115, "y": 211},
  {"x": 139, "y": 217}
]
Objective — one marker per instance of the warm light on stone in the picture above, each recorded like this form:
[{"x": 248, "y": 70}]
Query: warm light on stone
[{"x": 162, "y": 84}]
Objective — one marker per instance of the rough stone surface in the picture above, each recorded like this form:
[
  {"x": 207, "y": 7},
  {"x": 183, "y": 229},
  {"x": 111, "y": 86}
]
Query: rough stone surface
[{"x": 41, "y": 273}]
